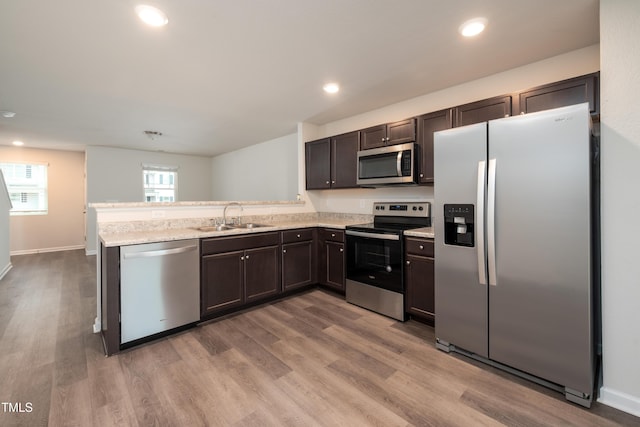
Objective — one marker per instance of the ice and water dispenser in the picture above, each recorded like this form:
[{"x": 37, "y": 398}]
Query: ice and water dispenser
[{"x": 458, "y": 225}]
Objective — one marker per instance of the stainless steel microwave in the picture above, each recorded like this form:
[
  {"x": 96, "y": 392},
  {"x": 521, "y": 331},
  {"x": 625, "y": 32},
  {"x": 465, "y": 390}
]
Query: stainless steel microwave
[{"x": 394, "y": 164}]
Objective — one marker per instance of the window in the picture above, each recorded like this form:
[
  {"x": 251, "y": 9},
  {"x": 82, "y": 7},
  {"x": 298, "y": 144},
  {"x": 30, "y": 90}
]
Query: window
[
  {"x": 160, "y": 183},
  {"x": 27, "y": 187}
]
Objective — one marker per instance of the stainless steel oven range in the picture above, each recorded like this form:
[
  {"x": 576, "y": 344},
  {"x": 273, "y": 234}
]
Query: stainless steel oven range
[{"x": 375, "y": 256}]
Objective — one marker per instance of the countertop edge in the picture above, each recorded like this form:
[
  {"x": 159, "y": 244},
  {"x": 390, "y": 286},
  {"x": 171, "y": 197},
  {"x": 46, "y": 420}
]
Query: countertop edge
[
  {"x": 141, "y": 237},
  {"x": 425, "y": 232}
]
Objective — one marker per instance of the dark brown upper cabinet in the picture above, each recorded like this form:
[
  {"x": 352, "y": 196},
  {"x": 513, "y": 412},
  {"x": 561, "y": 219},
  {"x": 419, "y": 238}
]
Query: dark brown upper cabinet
[
  {"x": 318, "y": 164},
  {"x": 388, "y": 134},
  {"x": 344, "y": 160},
  {"x": 427, "y": 125},
  {"x": 567, "y": 92},
  {"x": 332, "y": 162},
  {"x": 482, "y": 111}
]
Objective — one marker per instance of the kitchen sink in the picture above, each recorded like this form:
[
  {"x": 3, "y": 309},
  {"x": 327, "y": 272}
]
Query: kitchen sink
[
  {"x": 224, "y": 227},
  {"x": 215, "y": 228},
  {"x": 247, "y": 225}
]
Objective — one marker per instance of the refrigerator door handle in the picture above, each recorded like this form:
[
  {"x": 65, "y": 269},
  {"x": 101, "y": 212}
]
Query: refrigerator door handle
[
  {"x": 491, "y": 223},
  {"x": 482, "y": 269}
]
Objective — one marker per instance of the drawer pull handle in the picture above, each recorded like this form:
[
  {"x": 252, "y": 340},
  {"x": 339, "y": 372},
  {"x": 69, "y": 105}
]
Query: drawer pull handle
[
  {"x": 298, "y": 236},
  {"x": 421, "y": 247},
  {"x": 333, "y": 234}
]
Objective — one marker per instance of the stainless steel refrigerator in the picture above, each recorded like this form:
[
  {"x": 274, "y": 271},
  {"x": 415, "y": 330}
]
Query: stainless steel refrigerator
[{"x": 514, "y": 246}]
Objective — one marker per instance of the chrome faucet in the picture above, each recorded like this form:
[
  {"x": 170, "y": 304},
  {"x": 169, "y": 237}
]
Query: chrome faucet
[{"x": 224, "y": 213}]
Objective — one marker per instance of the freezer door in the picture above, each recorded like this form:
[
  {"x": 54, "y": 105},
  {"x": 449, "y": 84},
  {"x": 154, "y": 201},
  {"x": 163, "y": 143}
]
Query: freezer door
[
  {"x": 540, "y": 316},
  {"x": 460, "y": 281}
]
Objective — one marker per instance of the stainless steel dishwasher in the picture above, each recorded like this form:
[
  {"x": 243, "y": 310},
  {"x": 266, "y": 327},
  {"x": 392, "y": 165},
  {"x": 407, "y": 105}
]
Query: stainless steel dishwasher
[{"x": 159, "y": 287}]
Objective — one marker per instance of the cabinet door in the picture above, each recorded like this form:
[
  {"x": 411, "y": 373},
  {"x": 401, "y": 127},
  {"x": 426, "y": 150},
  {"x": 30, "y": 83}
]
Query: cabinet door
[
  {"x": 344, "y": 160},
  {"x": 482, "y": 111},
  {"x": 335, "y": 265},
  {"x": 401, "y": 132},
  {"x": 318, "y": 164},
  {"x": 373, "y": 137},
  {"x": 560, "y": 94},
  {"x": 297, "y": 265},
  {"x": 427, "y": 125},
  {"x": 221, "y": 281},
  {"x": 261, "y": 273},
  {"x": 419, "y": 284}
]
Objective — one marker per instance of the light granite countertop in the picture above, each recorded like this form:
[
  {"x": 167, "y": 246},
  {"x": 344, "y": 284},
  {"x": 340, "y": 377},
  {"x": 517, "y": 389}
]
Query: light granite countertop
[
  {"x": 425, "y": 232},
  {"x": 154, "y": 236}
]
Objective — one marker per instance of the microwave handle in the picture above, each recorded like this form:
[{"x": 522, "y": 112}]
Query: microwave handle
[{"x": 399, "y": 163}]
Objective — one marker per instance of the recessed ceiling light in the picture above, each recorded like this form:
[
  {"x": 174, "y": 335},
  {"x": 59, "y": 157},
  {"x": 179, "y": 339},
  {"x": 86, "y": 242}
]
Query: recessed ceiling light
[
  {"x": 473, "y": 27},
  {"x": 8, "y": 114},
  {"x": 151, "y": 15},
  {"x": 331, "y": 87},
  {"x": 18, "y": 143}
]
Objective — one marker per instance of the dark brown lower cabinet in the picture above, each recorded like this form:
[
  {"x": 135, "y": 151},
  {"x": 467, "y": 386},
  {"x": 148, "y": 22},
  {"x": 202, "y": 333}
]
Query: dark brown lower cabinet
[
  {"x": 332, "y": 258},
  {"x": 297, "y": 265},
  {"x": 221, "y": 281},
  {"x": 261, "y": 273},
  {"x": 238, "y": 270},
  {"x": 419, "y": 279},
  {"x": 299, "y": 260}
]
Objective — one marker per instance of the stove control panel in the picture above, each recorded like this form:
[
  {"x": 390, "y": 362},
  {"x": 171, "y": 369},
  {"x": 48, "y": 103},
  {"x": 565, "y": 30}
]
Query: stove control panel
[{"x": 417, "y": 209}]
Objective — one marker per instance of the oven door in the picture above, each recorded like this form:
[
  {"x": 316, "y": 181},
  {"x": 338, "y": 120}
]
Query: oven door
[{"x": 375, "y": 259}]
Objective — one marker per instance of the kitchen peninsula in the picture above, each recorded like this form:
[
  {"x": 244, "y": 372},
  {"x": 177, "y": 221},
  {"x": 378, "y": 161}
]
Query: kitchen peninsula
[{"x": 289, "y": 249}]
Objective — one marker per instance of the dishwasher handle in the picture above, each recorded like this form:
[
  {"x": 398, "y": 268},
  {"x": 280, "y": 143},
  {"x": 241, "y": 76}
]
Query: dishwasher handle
[{"x": 161, "y": 252}]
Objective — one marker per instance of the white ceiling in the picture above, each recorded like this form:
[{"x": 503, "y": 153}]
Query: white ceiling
[{"x": 227, "y": 74}]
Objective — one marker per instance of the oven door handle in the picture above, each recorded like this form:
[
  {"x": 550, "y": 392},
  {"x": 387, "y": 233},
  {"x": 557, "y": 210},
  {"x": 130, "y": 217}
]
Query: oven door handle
[{"x": 373, "y": 235}]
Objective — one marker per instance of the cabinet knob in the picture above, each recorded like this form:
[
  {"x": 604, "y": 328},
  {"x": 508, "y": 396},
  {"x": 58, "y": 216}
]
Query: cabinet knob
[
  {"x": 333, "y": 234},
  {"x": 341, "y": 250},
  {"x": 387, "y": 138},
  {"x": 298, "y": 236},
  {"x": 408, "y": 262},
  {"x": 241, "y": 258},
  {"x": 327, "y": 182},
  {"x": 333, "y": 182},
  {"x": 421, "y": 247},
  {"x": 383, "y": 139},
  {"x": 421, "y": 175},
  {"x": 284, "y": 251},
  {"x": 246, "y": 257}
]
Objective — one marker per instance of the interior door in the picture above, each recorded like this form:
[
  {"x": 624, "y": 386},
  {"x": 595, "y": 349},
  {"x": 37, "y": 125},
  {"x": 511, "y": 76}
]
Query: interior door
[{"x": 460, "y": 294}]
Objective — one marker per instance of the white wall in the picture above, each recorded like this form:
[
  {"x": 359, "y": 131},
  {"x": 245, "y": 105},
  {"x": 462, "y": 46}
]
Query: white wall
[
  {"x": 572, "y": 64},
  {"x": 62, "y": 227},
  {"x": 266, "y": 171},
  {"x": 620, "y": 167},
  {"x": 5, "y": 207},
  {"x": 115, "y": 175}
]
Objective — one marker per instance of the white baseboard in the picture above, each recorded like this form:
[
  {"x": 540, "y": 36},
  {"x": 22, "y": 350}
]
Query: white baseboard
[
  {"x": 88, "y": 252},
  {"x": 5, "y": 270},
  {"x": 620, "y": 400},
  {"x": 41, "y": 251}
]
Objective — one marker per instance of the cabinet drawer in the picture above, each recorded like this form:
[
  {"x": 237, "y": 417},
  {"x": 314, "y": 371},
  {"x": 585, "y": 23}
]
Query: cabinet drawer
[
  {"x": 331, "y": 235},
  {"x": 419, "y": 247},
  {"x": 298, "y": 235},
  {"x": 238, "y": 243}
]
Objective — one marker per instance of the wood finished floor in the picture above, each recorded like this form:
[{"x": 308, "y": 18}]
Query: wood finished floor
[{"x": 308, "y": 360}]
